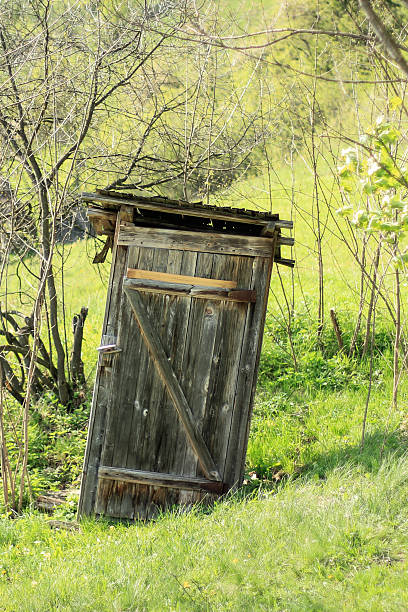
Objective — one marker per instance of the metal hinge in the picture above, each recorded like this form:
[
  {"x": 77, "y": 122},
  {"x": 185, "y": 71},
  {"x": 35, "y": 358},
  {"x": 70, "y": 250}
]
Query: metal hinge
[{"x": 109, "y": 349}]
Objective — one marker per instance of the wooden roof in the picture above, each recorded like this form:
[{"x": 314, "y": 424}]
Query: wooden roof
[
  {"x": 112, "y": 200},
  {"x": 164, "y": 213}
]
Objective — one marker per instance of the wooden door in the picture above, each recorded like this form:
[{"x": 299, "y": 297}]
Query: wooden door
[{"x": 177, "y": 405}]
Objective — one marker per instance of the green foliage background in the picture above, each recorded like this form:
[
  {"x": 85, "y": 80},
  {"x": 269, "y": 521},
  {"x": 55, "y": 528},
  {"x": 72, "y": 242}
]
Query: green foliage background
[{"x": 320, "y": 521}]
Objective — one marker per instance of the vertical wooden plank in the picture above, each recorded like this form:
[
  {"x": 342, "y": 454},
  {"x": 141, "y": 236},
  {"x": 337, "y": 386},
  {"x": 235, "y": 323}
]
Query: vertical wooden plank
[
  {"x": 225, "y": 371},
  {"x": 126, "y": 371},
  {"x": 159, "y": 442},
  {"x": 202, "y": 340},
  {"x": 148, "y": 383},
  {"x": 100, "y": 400},
  {"x": 164, "y": 436},
  {"x": 146, "y": 387},
  {"x": 166, "y": 373},
  {"x": 163, "y": 422},
  {"x": 197, "y": 358},
  {"x": 251, "y": 348},
  {"x": 171, "y": 442}
]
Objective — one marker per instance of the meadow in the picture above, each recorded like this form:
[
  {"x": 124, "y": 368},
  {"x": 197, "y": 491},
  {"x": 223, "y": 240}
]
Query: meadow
[
  {"x": 339, "y": 543},
  {"x": 320, "y": 523}
]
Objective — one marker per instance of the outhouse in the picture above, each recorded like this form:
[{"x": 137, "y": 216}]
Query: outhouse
[{"x": 180, "y": 347}]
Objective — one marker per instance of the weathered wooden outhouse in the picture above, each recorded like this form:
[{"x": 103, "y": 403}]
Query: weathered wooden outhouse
[{"x": 180, "y": 347}]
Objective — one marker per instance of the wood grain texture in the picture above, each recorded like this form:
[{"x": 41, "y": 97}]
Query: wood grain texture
[
  {"x": 272, "y": 226},
  {"x": 148, "y": 501},
  {"x": 158, "y": 440},
  {"x": 225, "y": 372},
  {"x": 204, "y": 316},
  {"x": 167, "y": 374},
  {"x": 191, "y": 291},
  {"x": 285, "y": 241},
  {"x": 248, "y": 369},
  {"x": 179, "y": 278},
  {"x": 143, "y": 391},
  {"x": 212, "y": 348},
  {"x": 100, "y": 400},
  {"x": 160, "y": 479},
  {"x": 133, "y": 360},
  {"x": 179, "y": 207},
  {"x": 253, "y": 246},
  {"x": 103, "y": 221}
]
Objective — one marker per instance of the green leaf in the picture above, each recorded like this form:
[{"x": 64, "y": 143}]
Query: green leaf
[
  {"x": 374, "y": 223},
  {"x": 344, "y": 171},
  {"x": 395, "y": 203},
  {"x": 369, "y": 188},
  {"x": 395, "y": 102},
  {"x": 388, "y": 135},
  {"x": 344, "y": 211},
  {"x": 389, "y": 227},
  {"x": 360, "y": 218},
  {"x": 401, "y": 260}
]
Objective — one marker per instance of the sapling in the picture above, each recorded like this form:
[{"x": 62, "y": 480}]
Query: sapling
[{"x": 375, "y": 183}]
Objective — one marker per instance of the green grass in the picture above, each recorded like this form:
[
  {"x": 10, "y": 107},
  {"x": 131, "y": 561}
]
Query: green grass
[
  {"x": 299, "y": 416},
  {"x": 337, "y": 544},
  {"x": 322, "y": 523},
  {"x": 326, "y": 527}
]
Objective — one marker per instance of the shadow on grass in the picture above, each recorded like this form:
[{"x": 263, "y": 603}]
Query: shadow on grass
[{"x": 379, "y": 446}]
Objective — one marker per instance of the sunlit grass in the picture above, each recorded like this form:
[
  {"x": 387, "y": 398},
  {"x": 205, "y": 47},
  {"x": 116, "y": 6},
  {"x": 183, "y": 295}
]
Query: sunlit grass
[
  {"x": 327, "y": 528},
  {"x": 339, "y": 544}
]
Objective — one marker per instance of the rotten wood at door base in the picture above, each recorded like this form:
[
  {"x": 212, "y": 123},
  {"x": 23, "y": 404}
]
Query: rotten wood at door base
[{"x": 159, "y": 479}]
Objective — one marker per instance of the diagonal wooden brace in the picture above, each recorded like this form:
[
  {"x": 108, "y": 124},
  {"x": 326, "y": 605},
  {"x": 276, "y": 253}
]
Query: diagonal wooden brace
[{"x": 169, "y": 379}]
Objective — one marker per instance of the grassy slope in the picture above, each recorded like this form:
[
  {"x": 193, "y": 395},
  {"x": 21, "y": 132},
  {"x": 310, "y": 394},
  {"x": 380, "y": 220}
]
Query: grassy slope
[
  {"x": 334, "y": 539},
  {"x": 330, "y": 544},
  {"x": 334, "y": 545}
]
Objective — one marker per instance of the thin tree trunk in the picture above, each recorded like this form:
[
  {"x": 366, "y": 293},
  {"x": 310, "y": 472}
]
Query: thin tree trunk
[
  {"x": 288, "y": 322},
  {"x": 47, "y": 244},
  {"x": 353, "y": 343},
  {"x": 372, "y": 299},
  {"x": 370, "y": 384},
  {"x": 318, "y": 232},
  {"x": 395, "y": 384},
  {"x": 5, "y": 465},
  {"x": 337, "y": 329},
  {"x": 27, "y": 399}
]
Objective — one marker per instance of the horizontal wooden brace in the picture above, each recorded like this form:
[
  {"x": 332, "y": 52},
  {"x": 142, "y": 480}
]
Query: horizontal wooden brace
[
  {"x": 192, "y": 291},
  {"x": 285, "y": 262},
  {"x": 179, "y": 278},
  {"x": 109, "y": 349},
  {"x": 272, "y": 226},
  {"x": 252, "y": 246},
  {"x": 283, "y": 224},
  {"x": 285, "y": 241},
  {"x": 156, "y": 479}
]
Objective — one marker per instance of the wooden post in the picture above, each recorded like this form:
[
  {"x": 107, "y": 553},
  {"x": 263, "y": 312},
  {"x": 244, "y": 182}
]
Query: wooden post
[{"x": 77, "y": 365}]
